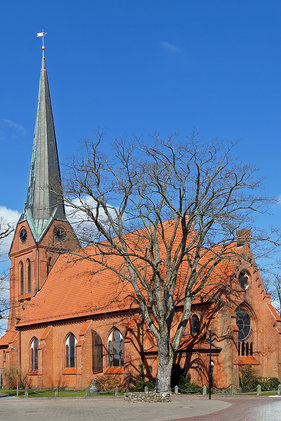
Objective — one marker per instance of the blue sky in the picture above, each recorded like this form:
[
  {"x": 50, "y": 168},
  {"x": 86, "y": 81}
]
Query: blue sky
[{"x": 136, "y": 67}]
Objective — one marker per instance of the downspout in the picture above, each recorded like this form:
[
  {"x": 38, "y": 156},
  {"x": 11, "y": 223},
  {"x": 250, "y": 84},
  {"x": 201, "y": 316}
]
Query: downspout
[{"x": 38, "y": 266}]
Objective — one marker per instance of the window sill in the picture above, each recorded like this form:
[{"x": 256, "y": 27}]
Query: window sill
[
  {"x": 33, "y": 373},
  {"x": 114, "y": 370},
  {"x": 70, "y": 371},
  {"x": 24, "y": 297}
]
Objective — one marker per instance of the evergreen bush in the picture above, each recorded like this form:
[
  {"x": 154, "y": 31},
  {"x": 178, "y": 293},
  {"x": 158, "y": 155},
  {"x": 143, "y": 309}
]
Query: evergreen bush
[{"x": 249, "y": 380}]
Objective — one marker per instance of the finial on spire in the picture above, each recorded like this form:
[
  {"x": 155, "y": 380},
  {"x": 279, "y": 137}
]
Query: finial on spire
[{"x": 42, "y": 35}]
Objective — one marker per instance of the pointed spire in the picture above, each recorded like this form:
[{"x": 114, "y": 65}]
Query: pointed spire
[{"x": 42, "y": 205}]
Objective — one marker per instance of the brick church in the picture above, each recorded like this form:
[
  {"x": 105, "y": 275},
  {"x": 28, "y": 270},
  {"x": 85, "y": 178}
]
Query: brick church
[{"x": 66, "y": 325}]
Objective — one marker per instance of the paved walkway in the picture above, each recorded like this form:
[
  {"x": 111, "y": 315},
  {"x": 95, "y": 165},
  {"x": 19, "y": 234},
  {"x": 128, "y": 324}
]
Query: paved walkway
[
  {"x": 103, "y": 409},
  {"x": 111, "y": 409},
  {"x": 245, "y": 409}
]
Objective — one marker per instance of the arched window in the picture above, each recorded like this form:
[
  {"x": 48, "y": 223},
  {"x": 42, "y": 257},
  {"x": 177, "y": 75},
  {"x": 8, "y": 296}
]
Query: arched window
[
  {"x": 195, "y": 325},
  {"x": 49, "y": 265},
  {"x": 115, "y": 349},
  {"x": 21, "y": 279},
  {"x": 243, "y": 322},
  {"x": 34, "y": 354},
  {"x": 70, "y": 351},
  {"x": 28, "y": 276},
  {"x": 97, "y": 354}
]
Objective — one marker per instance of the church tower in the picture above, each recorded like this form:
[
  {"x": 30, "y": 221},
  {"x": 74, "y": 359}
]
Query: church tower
[{"x": 43, "y": 231}]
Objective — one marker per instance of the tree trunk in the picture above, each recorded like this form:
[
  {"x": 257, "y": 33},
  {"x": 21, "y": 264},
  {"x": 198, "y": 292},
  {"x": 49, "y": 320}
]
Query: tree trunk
[{"x": 165, "y": 364}]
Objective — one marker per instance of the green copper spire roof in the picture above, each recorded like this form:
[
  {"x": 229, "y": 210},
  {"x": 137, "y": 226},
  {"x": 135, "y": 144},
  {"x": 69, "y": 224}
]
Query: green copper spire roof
[{"x": 42, "y": 203}]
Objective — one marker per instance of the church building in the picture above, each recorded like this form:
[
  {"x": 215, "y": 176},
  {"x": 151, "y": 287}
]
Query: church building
[{"x": 65, "y": 324}]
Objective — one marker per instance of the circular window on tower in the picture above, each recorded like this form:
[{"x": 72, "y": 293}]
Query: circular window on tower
[
  {"x": 23, "y": 235},
  {"x": 59, "y": 233},
  {"x": 243, "y": 322},
  {"x": 244, "y": 279}
]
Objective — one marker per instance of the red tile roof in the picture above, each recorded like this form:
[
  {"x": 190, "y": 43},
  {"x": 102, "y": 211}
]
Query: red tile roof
[
  {"x": 79, "y": 287},
  {"x": 8, "y": 337}
]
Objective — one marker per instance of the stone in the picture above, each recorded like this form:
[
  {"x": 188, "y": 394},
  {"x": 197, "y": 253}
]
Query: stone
[
  {"x": 148, "y": 397},
  {"x": 93, "y": 389}
]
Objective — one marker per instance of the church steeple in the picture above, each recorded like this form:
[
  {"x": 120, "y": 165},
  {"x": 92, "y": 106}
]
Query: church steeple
[
  {"x": 43, "y": 232},
  {"x": 42, "y": 204}
]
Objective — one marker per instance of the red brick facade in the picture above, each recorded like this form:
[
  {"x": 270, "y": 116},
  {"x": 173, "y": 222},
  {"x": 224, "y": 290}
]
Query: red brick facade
[
  {"x": 51, "y": 323},
  {"x": 69, "y": 322}
]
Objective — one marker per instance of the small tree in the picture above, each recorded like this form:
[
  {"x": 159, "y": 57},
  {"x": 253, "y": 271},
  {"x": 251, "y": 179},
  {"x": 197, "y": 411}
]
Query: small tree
[{"x": 129, "y": 195}]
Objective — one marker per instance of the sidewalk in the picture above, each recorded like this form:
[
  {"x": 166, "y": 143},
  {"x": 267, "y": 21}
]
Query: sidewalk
[{"x": 104, "y": 409}]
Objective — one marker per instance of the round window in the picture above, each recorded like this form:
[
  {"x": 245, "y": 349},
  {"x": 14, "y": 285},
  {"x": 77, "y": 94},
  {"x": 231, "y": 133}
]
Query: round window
[
  {"x": 244, "y": 279},
  {"x": 244, "y": 324}
]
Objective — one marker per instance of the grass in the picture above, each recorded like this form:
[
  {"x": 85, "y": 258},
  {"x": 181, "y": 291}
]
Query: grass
[
  {"x": 50, "y": 393},
  {"x": 62, "y": 393},
  {"x": 264, "y": 393},
  {"x": 44, "y": 393}
]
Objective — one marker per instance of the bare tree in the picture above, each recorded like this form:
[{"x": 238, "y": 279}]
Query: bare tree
[
  {"x": 6, "y": 229},
  {"x": 273, "y": 286},
  {"x": 170, "y": 212}
]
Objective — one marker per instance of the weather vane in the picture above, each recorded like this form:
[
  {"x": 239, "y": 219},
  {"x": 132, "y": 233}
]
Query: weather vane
[{"x": 42, "y": 35}]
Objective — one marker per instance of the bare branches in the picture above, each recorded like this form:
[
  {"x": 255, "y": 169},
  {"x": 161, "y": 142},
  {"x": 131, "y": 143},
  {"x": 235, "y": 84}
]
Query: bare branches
[
  {"x": 170, "y": 212},
  {"x": 5, "y": 229}
]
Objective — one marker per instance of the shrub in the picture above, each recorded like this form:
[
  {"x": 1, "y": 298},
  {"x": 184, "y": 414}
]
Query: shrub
[
  {"x": 141, "y": 383},
  {"x": 273, "y": 383},
  {"x": 249, "y": 380},
  {"x": 186, "y": 385},
  {"x": 107, "y": 383},
  {"x": 269, "y": 383},
  {"x": 10, "y": 378}
]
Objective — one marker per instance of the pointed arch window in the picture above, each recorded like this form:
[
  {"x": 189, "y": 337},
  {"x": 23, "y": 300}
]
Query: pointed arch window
[
  {"x": 34, "y": 354},
  {"x": 28, "y": 276},
  {"x": 97, "y": 353},
  {"x": 195, "y": 325},
  {"x": 243, "y": 322},
  {"x": 49, "y": 265},
  {"x": 21, "y": 278},
  {"x": 70, "y": 351},
  {"x": 115, "y": 349}
]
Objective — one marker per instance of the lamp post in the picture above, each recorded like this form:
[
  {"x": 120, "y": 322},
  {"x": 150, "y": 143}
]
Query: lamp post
[
  {"x": 211, "y": 365},
  {"x": 17, "y": 364},
  {"x": 1, "y": 371}
]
